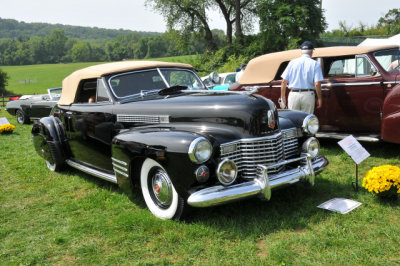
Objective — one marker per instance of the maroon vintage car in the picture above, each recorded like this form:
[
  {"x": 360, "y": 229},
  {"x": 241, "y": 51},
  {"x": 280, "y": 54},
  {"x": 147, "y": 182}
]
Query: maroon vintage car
[{"x": 361, "y": 89}]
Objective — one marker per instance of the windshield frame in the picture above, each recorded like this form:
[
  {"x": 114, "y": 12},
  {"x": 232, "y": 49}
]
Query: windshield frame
[
  {"x": 145, "y": 92},
  {"x": 382, "y": 51}
]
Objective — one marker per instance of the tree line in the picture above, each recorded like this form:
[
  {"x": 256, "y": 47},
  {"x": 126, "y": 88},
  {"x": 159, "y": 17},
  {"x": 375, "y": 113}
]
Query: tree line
[
  {"x": 58, "y": 48},
  {"x": 282, "y": 25}
]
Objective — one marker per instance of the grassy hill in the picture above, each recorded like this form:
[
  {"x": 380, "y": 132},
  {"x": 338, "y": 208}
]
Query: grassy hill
[
  {"x": 11, "y": 28},
  {"x": 36, "y": 79}
]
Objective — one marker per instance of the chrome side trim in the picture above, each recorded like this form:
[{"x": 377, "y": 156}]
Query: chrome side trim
[
  {"x": 331, "y": 135},
  {"x": 121, "y": 173},
  {"x": 119, "y": 161},
  {"x": 262, "y": 184},
  {"x": 350, "y": 84},
  {"x": 91, "y": 171},
  {"x": 120, "y": 167},
  {"x": 323, "y": 85},
  {"x": 390, "y": 82}
]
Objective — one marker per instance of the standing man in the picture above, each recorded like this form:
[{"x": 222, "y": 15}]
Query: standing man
[
  {"x": 240, "y": 73},
  {"x": 304, "y": 76}
]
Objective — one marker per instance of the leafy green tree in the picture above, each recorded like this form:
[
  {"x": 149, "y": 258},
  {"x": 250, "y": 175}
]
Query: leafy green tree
[
  {"x": 187, "y": 16},
  {"x": 237, "y": 14},
  {"x": 285, "y": 24},
  {"x": 81, "y": 52},
  {"x": 140, "y": 48},
  {"x": 55, "y": 45},
  {"x": 391, "y": 22},
  {"x": 3, "y": 81}
]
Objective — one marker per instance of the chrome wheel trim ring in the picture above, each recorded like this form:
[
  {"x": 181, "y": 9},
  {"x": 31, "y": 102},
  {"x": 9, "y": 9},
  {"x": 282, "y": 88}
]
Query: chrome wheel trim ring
[
  {"x": 20, "y": 117},
  {"x": 161, "y": 189}
]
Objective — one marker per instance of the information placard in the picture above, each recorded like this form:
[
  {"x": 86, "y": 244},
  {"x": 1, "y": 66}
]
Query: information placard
[
  {"x": 340, "y": 205},
  {"x": 353, "y": 148},
  {"x": 3, "y": 121}
]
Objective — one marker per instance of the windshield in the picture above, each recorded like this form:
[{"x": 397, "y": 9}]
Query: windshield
[
  {"x": 389, "y": 59},
  {"x": 127, "y": 84},
  {"x": 55, "y": 93}
]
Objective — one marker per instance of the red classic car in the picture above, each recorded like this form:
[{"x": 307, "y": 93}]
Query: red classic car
[{"x": 361, "y": 89}]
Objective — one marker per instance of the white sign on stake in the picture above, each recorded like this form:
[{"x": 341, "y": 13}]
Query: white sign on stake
[
  {"x": 3, "y": 121},
  {"x": 353, "y": 148}
]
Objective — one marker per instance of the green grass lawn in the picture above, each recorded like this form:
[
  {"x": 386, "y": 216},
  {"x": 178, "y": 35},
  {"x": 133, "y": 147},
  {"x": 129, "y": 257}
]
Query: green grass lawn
[
  {"x": 73, "y": 218},
  {"x": 36, "y": 79}
]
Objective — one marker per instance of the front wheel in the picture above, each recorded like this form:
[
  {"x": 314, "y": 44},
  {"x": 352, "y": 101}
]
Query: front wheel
[
  {"x": 54, "y": 167},
  {"x": 159, "y": 193},
  {"x": 21, "y": 117}
]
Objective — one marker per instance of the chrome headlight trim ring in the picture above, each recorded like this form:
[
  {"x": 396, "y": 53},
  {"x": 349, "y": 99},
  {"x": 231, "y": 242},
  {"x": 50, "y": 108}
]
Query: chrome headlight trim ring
[
  {"x": 195, "y": 155},
  {"x": 310, "y": 124}
]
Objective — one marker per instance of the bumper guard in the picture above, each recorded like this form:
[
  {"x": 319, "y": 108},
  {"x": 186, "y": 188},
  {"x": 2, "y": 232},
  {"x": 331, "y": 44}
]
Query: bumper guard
[{"x": 262, "y": 184}]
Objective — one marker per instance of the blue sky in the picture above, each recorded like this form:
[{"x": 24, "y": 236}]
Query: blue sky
[{"x": 133, "y": 15}]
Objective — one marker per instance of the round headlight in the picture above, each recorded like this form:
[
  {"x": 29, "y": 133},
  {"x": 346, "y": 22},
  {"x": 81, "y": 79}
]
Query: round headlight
[
  {"x": 311, "y": 124},
  {"x": 227, "y": 172},
  {"x": 311, "y": 146},
  {"x": 200, "y": 150}
]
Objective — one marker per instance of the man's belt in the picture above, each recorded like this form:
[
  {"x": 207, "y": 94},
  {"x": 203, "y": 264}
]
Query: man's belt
[{"x": 301, "y": 90}]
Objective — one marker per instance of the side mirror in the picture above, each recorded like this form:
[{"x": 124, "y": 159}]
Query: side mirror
[
  {"x": 373, "y": 71},
  {"x": 214, "y": 77}
]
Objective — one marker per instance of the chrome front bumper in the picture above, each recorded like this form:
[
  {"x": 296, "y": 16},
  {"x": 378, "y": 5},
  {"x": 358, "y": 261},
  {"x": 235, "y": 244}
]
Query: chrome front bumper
[{"x": 262, "y": 184}]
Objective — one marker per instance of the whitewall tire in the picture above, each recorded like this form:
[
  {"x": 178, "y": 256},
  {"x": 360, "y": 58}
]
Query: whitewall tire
[{"x": 159, "y": 193}]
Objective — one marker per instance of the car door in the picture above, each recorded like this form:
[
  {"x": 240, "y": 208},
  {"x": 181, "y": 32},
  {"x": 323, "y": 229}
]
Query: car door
[
  {"x": 42, "y": 107},
  {"x": 352, "y": 95},
  {"x": 90, "y": 127}
]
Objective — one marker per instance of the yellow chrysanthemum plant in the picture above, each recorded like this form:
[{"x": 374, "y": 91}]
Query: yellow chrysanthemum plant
[
  {"x": 383, "y": 180},
  {"x": 6, "y": 129}
]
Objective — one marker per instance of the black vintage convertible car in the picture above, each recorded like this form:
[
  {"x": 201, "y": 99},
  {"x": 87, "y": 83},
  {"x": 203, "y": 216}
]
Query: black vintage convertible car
[
  {"x": 154, "y": 124},
  {"x": 36, "y": 106}
]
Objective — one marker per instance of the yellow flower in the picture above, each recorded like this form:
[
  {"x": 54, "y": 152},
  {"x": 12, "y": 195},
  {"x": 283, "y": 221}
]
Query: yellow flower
[
  {"x": 7, "y": 128},
  {"x": 382, "y": 178}
]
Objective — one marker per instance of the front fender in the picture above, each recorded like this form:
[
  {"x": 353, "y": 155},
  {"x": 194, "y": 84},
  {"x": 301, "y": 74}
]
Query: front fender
[
  {"x": 390, "y": 127},
  {"x": 168, "y": 148}
]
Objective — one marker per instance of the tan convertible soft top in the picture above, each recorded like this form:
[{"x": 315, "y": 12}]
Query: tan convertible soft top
[
  {"x": 262, "y": 69},
  {"x": 70, "y": 84}
]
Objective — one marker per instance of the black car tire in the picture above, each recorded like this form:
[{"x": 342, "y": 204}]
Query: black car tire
[
  {"x": 159, "y": 193},
  {"x": 21, "y": 117}
]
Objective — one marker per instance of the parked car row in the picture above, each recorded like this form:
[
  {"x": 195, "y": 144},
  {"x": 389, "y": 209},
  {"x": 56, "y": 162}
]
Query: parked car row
[{"x": 156, "y": 125}]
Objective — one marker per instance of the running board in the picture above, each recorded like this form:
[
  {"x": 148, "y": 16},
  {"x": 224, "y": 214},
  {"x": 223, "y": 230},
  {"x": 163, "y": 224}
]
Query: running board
[
  {"x": 331, "y": 135},
  {"x": 91, "y": 171}
]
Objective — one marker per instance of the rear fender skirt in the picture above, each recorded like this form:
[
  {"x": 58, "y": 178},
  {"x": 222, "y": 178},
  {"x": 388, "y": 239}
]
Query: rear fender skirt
[
  {"x": 48, "y": 138},
  {"x": 168, "y": 148}
]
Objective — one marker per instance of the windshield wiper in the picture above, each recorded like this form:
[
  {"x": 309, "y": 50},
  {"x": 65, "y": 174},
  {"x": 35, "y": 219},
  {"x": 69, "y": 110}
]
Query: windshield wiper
[{"x": 172, "y": 90}]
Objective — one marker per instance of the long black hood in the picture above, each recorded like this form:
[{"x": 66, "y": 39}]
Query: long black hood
[{"x": 245, "y": 115}]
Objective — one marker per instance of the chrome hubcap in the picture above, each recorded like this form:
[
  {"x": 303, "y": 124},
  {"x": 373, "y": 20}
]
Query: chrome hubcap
[
  {"x": 162, "y": 188},
  {"x": 20, "y": 118}
]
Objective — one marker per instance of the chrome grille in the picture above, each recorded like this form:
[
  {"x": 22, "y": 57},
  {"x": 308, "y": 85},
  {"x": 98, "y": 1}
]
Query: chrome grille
[
  {"x": 145, "y": 119},
  {"x": 248, "y": 153},
  {"x": 290, "y": 142}
]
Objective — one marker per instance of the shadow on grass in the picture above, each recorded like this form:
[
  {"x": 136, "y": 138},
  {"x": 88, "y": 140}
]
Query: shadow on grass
[
  {"x": 289, "y": 208},
  {"x": 134, "y": 196}
]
